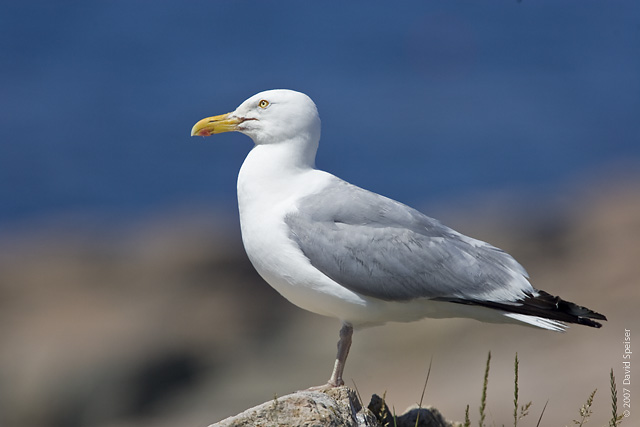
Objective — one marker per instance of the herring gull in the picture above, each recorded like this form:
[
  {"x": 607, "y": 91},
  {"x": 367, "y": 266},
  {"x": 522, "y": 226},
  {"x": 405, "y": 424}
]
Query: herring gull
[{"x": 341, "y": 251}]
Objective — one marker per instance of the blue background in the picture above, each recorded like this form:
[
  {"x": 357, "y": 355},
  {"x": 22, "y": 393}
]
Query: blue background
[{"x": 421, "y": 101}]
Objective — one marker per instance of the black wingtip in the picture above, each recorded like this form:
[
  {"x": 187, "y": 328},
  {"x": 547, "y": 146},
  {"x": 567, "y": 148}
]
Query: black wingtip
[
  {"x": 589, "y": 322},
  {"x": 570, "y": 312},
  {"x": 542, "y": 305}
]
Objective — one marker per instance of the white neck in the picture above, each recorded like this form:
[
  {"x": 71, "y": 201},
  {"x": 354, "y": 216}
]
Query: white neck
[{"x": 273, "y": 169}]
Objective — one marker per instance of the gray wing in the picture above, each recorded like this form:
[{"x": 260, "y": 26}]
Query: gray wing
[{"x": 381, "y": 248}]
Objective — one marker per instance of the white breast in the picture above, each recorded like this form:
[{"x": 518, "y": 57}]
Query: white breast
[{"x": 266, "y": 194}]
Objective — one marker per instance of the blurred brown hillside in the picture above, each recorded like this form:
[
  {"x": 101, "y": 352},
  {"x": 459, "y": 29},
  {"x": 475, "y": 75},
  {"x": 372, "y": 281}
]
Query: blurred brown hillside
[{"x": 164, "y": 322}]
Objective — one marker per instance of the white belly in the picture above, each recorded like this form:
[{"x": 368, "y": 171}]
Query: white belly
[{"x": 282, "y": 264}]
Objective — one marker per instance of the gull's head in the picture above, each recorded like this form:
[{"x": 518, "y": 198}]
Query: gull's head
[{"x": 268, "y": 117}]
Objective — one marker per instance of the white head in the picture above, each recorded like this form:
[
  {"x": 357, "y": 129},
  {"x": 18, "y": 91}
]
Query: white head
[{"x": 269, "y": 117}]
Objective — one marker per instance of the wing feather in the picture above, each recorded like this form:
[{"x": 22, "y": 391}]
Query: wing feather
[{"x": 381, "y": 248}]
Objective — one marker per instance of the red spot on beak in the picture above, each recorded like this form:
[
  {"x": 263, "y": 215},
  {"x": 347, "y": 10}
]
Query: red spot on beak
[{"x": 204, "y": 132}]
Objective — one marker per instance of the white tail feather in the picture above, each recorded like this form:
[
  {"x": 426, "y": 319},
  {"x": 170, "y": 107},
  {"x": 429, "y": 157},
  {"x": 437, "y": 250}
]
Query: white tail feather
[{"x": 539, "y": 322}]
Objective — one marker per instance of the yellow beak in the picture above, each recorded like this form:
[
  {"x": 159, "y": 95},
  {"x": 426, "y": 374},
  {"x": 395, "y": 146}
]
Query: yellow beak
[{"x": 216, "y": 124}]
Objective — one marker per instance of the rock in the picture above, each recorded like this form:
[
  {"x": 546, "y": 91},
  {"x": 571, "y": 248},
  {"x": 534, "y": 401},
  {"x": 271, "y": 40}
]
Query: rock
[
  {"x": 425, "y": 417},
  {"x": 331, "y": 407},
  {"x": 328, "y": 407}
]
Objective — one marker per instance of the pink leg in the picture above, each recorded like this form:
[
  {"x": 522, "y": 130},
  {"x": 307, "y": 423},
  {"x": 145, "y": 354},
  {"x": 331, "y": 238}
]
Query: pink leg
[{"x": 344, "y": 344}]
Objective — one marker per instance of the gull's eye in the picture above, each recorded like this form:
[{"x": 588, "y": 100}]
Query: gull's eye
[{"x": 263, "y": 103}]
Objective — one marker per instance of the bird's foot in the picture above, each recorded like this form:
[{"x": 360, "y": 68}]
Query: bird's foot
[{"x": 324, "y": 387}]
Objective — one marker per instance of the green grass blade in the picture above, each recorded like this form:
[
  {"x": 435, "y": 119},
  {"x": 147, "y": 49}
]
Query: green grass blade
[{"x": 483, "y": 400}]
